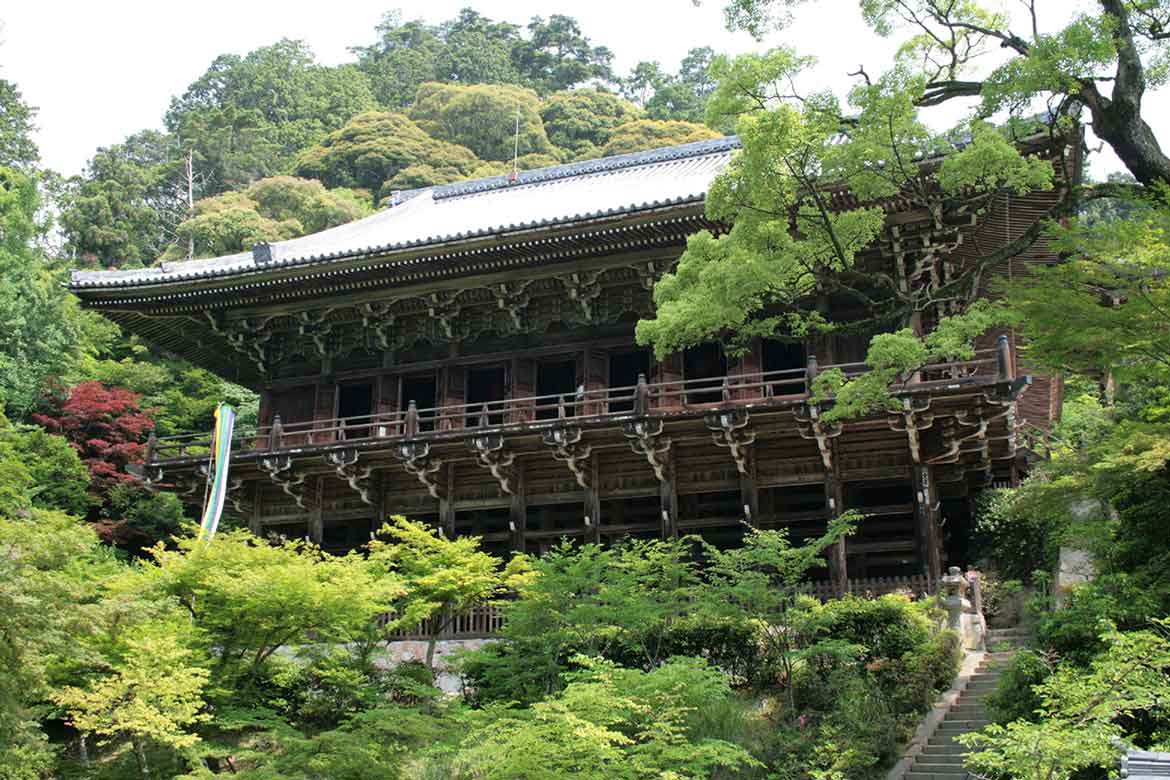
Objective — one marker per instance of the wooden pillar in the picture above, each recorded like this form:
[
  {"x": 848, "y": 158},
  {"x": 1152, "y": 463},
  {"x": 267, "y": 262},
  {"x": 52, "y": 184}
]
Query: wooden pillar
[
  {"x": 381, "y": 512},
  {"x": 447, "y": 502},
  {"x": 749, "y": 493},
  {"x": 668, "y": 500},
  {"x": 926, "y": 517},
  {"x": 254, "y": 521},
  {"x": 518, "y": 510},
  {"x": 593, "y": 503},
  {"x": 316, "y": 513},
  {"x": 835, "y": 504}
]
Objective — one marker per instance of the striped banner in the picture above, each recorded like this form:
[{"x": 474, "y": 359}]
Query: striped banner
[{"x": 217, "y": 470}]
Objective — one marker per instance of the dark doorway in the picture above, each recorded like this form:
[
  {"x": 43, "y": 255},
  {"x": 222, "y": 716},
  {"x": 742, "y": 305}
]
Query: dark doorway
[
  {"x": 355, "y": 404},
  {"x": 555, "y": 378},
  {"x": 423, "y": 389},
  {"x": 787, "y": 357},
  {"x": 704, "y": 368},
  {"x": 486, "y": 386},
  {"x": 624, "y": 368}
]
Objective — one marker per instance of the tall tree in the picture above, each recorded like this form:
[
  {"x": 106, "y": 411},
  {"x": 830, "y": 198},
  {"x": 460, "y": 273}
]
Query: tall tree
[
  {"x": 482, "y": 117},
  {"x": 124, "y": 209},
  {"x": 247, "y": 117},
  {"x": 581, "y": 121},
  {"x": 556, "y": 55},
  {"x": 17, "y": 148}
]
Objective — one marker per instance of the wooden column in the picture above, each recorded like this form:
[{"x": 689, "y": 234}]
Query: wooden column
[
  {"x": 518, "y": 510},
  {"x": 668, "y": 500},
  {"x": 316, "y": 513},
  {"x": 593, "y": 503},
  {"x": 749, "y": 493},
  {"x": 254, "y": 521},
  {"x": 447, "y": 502},
  {"x": 835, "y": 504},
  {"x": 926, "y": 516}
]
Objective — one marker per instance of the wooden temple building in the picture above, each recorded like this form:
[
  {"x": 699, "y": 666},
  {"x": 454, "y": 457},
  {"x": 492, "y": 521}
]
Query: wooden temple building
[{"x": 466, "y": 357}]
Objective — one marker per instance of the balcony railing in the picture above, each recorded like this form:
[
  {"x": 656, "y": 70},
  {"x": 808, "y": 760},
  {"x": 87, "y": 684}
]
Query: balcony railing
[{"x": 598, "y": 404}]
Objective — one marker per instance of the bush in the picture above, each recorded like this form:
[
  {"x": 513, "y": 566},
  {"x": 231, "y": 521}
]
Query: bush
[
  {"x": 1073, "y": 633},
  {"x": 1014, "y": 697},
  {"x": 1011, "y": 536}
]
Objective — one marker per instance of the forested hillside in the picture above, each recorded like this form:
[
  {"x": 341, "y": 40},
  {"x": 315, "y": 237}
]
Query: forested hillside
[{"x": 273, "y": 145}]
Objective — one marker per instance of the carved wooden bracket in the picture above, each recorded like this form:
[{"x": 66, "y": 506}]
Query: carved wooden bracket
[
  {"x": 378, "y": 320},
  {"x": 646, "y": 439},
  {"x": 249, "y": 337},
  {"x": 444, "y": 310},
  {"x": 810, "y": 426},
  {"x": 316, "y": 325},
  {"x": 583, "y": 289},
  {"x": 235, "y": 494},
  {"x": 912, "y": 420},
  {"x": 416, "y": 459},
  {"x": 730, "y": 429},
  {"x": 568, "y": 448},
  {"x": 490, "y": 452},
  {"x": 513, "y": 298},
  {"x": 344, "y": 462},
  {"x": 279, "y": 470}
]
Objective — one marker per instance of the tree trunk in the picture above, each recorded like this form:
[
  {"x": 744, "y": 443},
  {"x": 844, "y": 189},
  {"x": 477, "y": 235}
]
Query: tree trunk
[
  {"x": 1134, "y": 142},
  {"x": 140, "y": 753},
  {"x": 82, "y": 749}
]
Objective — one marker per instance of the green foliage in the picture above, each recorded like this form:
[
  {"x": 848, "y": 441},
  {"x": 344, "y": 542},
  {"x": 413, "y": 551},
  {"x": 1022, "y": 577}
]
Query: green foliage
[
  {"x": 557, "y": 56},
  {"x": 582, "y": 120},
  {"x": 1080, "y": 712},
  {"x": 643, "y": 134},
  {"x": 40, "y": 470},
  {"x": 272, "y": 209},
  {"x": 48, "y": 562},
  {"x": 482, "y": 118},
  {"x": 247, "y": 117},
  {"x": 1015, "y": 696},
  {"x": 440, "y": 578},
  {"x": 249, "y": 599},
  {"x": 1011, "y": 539},
  {"x": 124, "y": 208},
  {"x": 373, "y": 148},
  {"x": 17, "y": 148},
  {"x": 1112, "y": 601},
  {"x": 608, "y": 722},
  {"x": 39, "y": 327}
]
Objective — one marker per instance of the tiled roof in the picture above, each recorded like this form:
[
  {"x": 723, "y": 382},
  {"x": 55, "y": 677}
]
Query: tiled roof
[{"x": 562, "y": 194}]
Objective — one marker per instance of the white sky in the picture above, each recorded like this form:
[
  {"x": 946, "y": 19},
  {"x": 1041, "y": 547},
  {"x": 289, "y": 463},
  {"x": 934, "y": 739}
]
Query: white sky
[{"x": 101, "y": 71}]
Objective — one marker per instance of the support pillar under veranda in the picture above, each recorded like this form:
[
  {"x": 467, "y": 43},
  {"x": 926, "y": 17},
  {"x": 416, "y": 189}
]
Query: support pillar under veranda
[{"x": 927, "y": 532}]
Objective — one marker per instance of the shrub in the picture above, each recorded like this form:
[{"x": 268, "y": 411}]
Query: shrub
[
  {"x": 1074, "y": 632},
  {"x": 1014, "y": 697}
]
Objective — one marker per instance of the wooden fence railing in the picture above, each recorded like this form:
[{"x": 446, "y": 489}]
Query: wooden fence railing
[{"x": 486, "y": 620}]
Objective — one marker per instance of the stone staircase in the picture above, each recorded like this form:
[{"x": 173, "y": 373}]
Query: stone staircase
[{"x": 942, "y": 756}]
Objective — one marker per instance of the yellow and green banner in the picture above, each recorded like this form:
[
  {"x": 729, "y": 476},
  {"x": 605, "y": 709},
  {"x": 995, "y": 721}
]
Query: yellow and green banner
[{"x": 217, "y": 470}]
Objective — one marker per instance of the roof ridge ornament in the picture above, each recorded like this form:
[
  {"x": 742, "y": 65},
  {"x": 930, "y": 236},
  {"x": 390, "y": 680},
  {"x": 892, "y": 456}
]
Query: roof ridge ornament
[{"x": 262, "y": 252}]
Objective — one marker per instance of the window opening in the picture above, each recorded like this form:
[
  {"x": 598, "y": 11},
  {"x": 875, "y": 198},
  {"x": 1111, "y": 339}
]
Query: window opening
[
  {"x": 423, "y": 389},
  {"x": 355, "y": 404},
  {"x": 784, "y": 356},
  {"x": 624, "y": 368},
  {"x": 556, "y": 379},
  {"x": 707, "y": 364},
  {"x": 486, "y": 386}
]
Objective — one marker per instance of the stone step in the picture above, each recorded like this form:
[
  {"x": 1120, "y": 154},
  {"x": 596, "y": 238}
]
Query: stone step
[
  {"x": 966, "y": 712},
  {"x": 938, "y": 768},
  {"x": 914, "y": 774},
  {"x": 932, "y": 755}
]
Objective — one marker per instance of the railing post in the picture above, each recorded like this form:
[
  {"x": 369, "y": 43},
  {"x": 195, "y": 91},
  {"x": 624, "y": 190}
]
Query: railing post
[
  {"x": 151, "y": 446},
  {"x": 484, "y": 418},
  {"x": 810, "y": 373},
  {"x": 641, "y": 396},
  {"x": 1003, "y": 359},
  {"x": 410, "y": 425},
  {"x": 275, "y": 433}
]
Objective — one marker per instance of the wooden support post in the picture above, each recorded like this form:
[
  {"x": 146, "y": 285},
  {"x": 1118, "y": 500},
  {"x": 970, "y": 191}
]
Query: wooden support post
[
  {"x": 254, "y": 521},
  {"x": 593, "y": 503},
  {"x": 381, "y": 511},
  {"x": 447, "y": 503},
  {"x": 835, "y": 504},
  {"x": 926, "y": 516},
  {"x": 317, "y": 513},
  {"x": 749, "y": 494},
  {"x": 518, "y": 509},
  {"x": 668, "y": 500}
]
